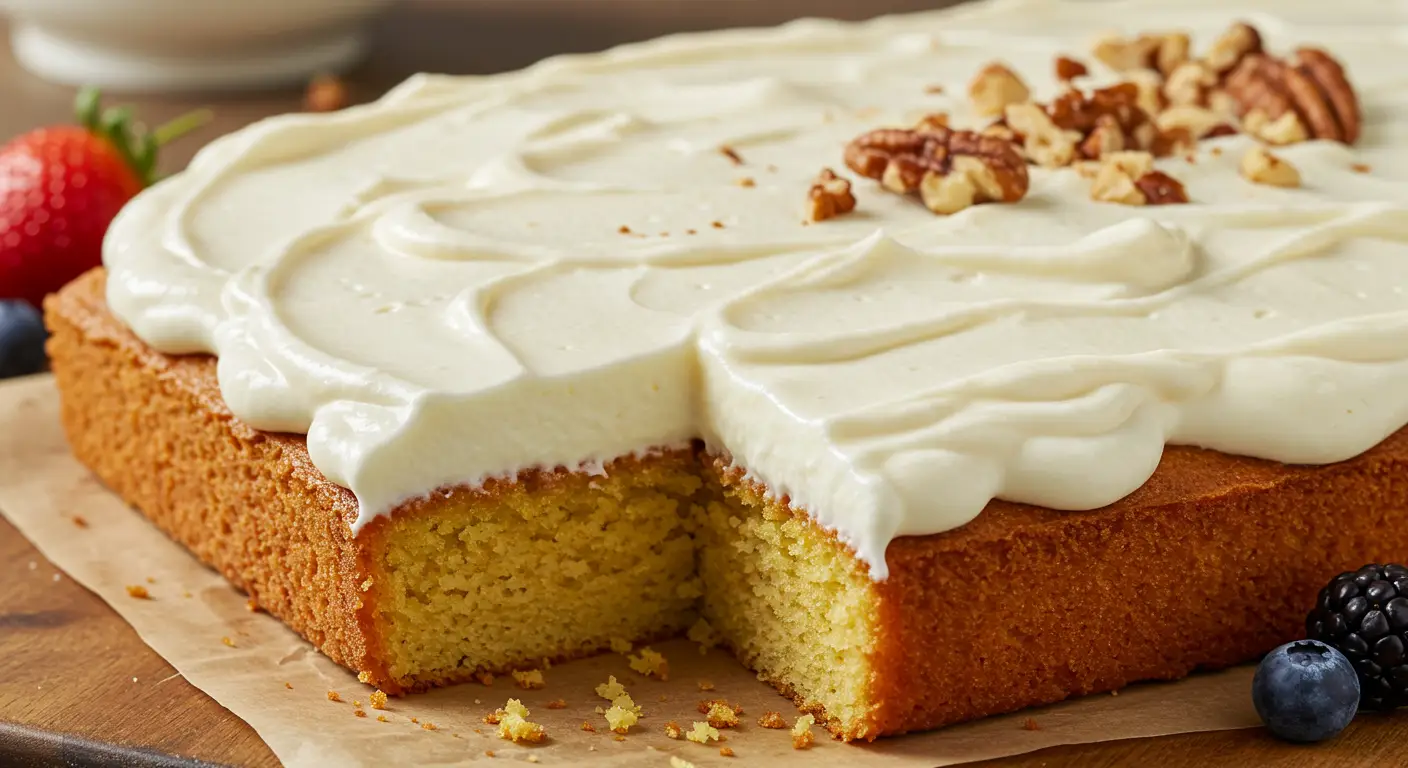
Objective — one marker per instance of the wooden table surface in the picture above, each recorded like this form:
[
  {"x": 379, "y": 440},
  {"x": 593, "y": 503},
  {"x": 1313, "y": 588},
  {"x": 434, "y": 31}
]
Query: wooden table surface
[{"x": 78, "y": 687}]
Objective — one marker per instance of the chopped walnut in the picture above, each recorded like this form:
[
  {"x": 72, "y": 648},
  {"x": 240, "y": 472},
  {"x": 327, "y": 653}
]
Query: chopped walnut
[
  {"x": 950, "y": 170},
  {"x": 1190, "y": 83},
  {"x": 1239, "y": 41},
  {"x": 829, "y": 196},
  {"x": 1286, "y": 129},
  {"x": 1259, "y": 166},
  {"x": 1195, "y": 122},
  {"x": 1161, "y": 52},
  {"x": 1149, "y": 83},
  {"x": 1068, "y": 69},
  {"x": 1044, "y": 143},
  {"x": 1129, "y": 178},
  {"x": 994, "y": 87}
]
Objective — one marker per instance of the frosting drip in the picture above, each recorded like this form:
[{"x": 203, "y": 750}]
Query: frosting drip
[{"x": 558, "y": 266}]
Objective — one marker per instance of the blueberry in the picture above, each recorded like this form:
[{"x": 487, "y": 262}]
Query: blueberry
[
  {"x": 22, "y": 337},
  {"x": 1305, "y": 691}
]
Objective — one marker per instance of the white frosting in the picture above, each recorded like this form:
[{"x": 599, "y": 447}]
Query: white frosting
[{"x": 434, "y": 288}]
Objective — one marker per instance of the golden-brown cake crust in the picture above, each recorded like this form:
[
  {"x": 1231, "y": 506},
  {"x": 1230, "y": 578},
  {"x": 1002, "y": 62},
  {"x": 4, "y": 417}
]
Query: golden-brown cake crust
[{"x": 1215, "y": 560}]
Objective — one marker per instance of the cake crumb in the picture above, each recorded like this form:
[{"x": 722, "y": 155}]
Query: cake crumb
[
  {"x": 702, "y": 733},
  {"x": 494, "y": 717},
  {"x": 138, "y": 591},
  {"x": 716, "y": 224},
  {"x": 484, "y": 678},
  {"x": 428, "y": 726},
  {"x": 703, "y": 633},
  {"x": 334, "y": 696},
  {"x": 557, "y": 704},
  {"x": 356, "y": 702},
  {"x": 532, "y": 758},
  {"x": 1030, "y": 724},
  {"x": 382, "y": 719},
  {"x": 620, "y": 645},
  {"x": 588, "y": 727},
  {"x": 611, "y": 689},
  {"x": 227, "y": 641},
  {"x": 288, "y": 685},
  {"x": 530, "y": 680},
  {"x": 708, "y": 704},
  {"x": 151, "y": 580},
  {"x": 705, "y": 685},
  {"x": 802, "y": 732},
  {"x": 514, "y": 724},
  {"x": 623, "y": 714},
  {"x": 733, "y": 157},
  {"x": 80, "y": 521},
  {"x": 488, "y": 753},
  {"x": 725, "y": 752},
  {"x": 673, "y": 730},
  {"x": 721, "y": 715},
  {"x": 1215, "y": 151},
  {"x": 185, "y": 594},
  {"x": 772, "y": 720},
  {"x": 359, "y": 713},
  {"x": 1360, "y": 167},
  {"x": 1114, "y": 693},
  {"x": 364, "y": 678},
  {"x": 651, "y": 663},
  {"x": 679, "y": 762},
  {"x": 747, "y": 182},
  {"x": 934, "y": 89},
  {"x": 253, "y": 607},
  {"x": 378, "y": 699},
  {"x": 619, "y": 737}
]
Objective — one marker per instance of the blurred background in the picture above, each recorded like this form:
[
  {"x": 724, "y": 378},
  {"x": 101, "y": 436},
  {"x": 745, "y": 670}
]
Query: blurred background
[{"x": 242, "y": 57}]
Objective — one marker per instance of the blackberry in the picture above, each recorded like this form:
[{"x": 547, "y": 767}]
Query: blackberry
[{"x": 1364, "y": 614}]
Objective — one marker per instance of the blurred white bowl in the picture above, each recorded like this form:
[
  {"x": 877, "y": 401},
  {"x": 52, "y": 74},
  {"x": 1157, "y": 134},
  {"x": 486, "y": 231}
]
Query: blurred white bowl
[{"x": 148, "y": 45}]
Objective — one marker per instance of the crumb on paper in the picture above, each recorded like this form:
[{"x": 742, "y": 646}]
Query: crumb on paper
[
  {"x": 288, "y": 685},
  {"x": 611, "y": 689},
  {"x": 80, "y": 521},
  {"x": 707, "y": 705},
  {"x": 1360, "y": 167},
  {"x": 227, "y": 641},
  {"x": 359, "y": 713},
  {"x": 725, "y": 752},
  {"x": 747, "y": 182},
  {"x": 528, "y": 680},
  {"x": 619, "y": 737},
  {"x": 138, "y": 591},
  {"x": 415, "y": 720},
  {"x": 382, "y": 719},
  {"x": 733, "y": 157},
  {"x": 651, "y": 663},
  {"x": 1114, "y": 693},
  {"x": 716, "y": 224},
  {"x": 721, "y": 715},
  {"x": 679, "y": 762},
  {"x": 557, "y": 704},
  {"x": 356, "y": 702},
  {"x": 532, "y": 758},
  {"x": 772, "y": 720},
  {"x": 484, "y": 678},
  {"x": 334, "y": 696},
  {"x": 703, "y": 633},
  {"x": 934, "y": 89},
  {"x": 623, "y": 714},
  {"x": 620, "y": 645},
  {"x": 673, "y": 730},
  {"x": 429, "y": 726},
  {"x": 186, "y": 594},
  {"x": 364, "y": 677},
  {"x": 802, "y": 732},
  {"x": 1030, "y": 724},
  {"x": 253, "y": 607},
  {"x": 325, "y": 93},
  {"x": 588, "y": 727},
  {"x": 378, "y": 699},
  {"x": 488, "y": 753},
  {"x": 151, "y": 580},
  {"x": 514, "y": 725},
  {"x": 705, "y": 685},
  {"x": 702, "y": 733}
]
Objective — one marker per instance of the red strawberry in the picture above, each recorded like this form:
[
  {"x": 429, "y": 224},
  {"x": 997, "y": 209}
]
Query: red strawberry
[{"x": 61, "y": 186}]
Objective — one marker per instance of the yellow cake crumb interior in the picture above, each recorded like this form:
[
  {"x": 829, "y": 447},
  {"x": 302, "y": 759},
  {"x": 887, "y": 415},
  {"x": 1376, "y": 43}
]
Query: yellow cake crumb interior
[{"x": 499, "y": 581}]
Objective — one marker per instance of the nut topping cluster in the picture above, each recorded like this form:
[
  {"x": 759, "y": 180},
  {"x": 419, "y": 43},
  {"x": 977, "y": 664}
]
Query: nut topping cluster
[
  {"x": 949, "y": 170},
  {"x": 1169, "y": 100}
]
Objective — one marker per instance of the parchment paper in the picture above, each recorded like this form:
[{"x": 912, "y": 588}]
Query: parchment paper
[{"x": 279, "y": 684}]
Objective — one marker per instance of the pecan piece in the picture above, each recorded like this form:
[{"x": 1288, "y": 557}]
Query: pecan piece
[
  {"x": 950, "y": 170},
  {"x": 1044, "y": 143},
  {"x": 1259, "y": 166},
  {"x": 1068, "y": 69},
  {"x": 994, "y": 87},
  {"x": 1312, "y": 86},
  {"x": 1129, "y": 178},
  {"x": 829, "y": 197},
  {"x": 1159, "y": 52}
]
